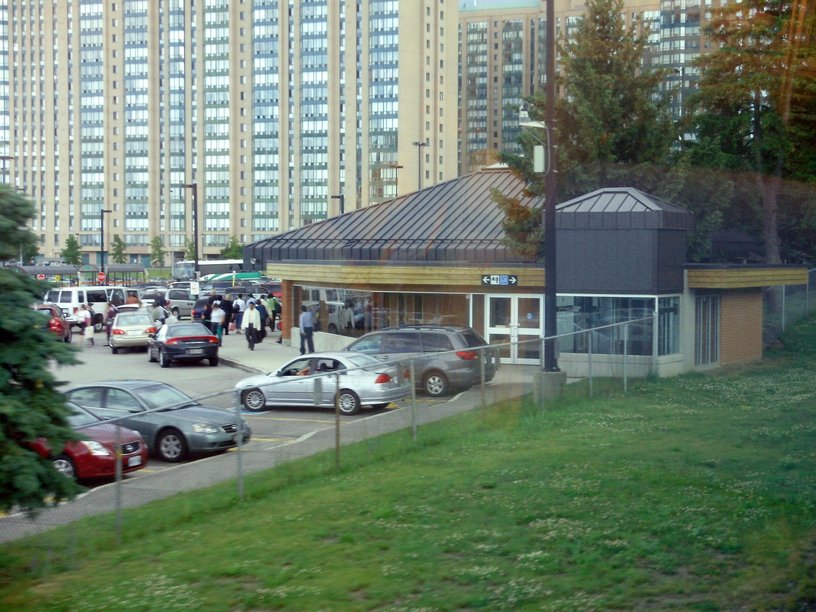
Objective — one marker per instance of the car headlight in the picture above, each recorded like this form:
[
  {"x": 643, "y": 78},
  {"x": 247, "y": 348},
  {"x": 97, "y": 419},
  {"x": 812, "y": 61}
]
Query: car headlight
[
  {"x": 96, "y": 448},
  {"x": 204, "y": 428}
]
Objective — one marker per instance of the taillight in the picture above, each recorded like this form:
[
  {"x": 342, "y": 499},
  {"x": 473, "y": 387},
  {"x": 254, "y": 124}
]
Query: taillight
[
  {"x": 54, "y": 324},
  {"x": 118, "y": 332},
  {"x": 213, "y": 340},
  {"x": 150, "y": 330},
  {"x": 467, "y": 355},
  {"x": 381, "y": 379},
  {"x": 172, "y": 341}
]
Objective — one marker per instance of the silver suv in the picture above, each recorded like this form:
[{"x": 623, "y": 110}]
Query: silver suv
[{"x": 446, "y": 356}]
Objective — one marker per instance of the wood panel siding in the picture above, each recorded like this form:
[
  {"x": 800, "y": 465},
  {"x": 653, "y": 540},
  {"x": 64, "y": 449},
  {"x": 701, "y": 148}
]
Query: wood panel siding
[
  {"x": 740, "y": 326},
  {"x": 742, "y": 278}
]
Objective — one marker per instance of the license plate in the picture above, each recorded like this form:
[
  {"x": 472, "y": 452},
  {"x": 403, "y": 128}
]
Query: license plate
[
  {"x": 196, "y": 351},
  {"x": 134, "y": 461}
]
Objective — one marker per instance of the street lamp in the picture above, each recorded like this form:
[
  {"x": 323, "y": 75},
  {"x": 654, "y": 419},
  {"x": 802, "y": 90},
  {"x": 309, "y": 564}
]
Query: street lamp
[
  {"x": 102, "y": 212},
  {"x": 419, "y": 146},
  {"x": 544, "y": 162},
  {"x": 194, "y": 188},
  {"x": 342, "y": 199}
]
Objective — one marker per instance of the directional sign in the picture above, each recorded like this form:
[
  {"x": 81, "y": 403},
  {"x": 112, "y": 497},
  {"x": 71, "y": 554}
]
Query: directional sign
[{"x": 500, "y": 280}]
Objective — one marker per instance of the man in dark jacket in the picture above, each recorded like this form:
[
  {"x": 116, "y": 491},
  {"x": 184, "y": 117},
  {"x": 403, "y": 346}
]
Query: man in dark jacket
[{"x": 226, "y": 306}]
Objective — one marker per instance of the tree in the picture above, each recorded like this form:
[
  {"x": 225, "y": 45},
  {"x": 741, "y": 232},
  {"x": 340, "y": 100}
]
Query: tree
[
  {"x": 757, "y": 104},
  {"x": 118, "y": 250},
  {"x": 30, "y": 404},
  {"x": 189, "y": 250},
  {"x": 70, "y": 254},
  {"x": 611, "y": 118},
  {"x": 233, "y": 250},
  {"x": 157, "y": 252},
  {"x": 30, "y": 253}
]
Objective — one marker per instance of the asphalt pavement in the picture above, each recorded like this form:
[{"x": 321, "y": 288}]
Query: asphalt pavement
[{"x": 268, "y": 355}]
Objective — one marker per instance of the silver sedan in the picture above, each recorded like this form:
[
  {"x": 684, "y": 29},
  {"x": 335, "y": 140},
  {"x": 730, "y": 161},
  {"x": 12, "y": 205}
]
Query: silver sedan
[{"x": 313, "y": 379}]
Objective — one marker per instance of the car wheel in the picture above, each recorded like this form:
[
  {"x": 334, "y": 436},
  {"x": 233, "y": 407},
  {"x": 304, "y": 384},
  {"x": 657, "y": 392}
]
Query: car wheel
[
  {"x": 213, "y": 361},
  {"x": 164, "y": 360},
  {"x": 98, "y": 324},
  {"x": 171, "y": 446},
  {"x": 435, "y": 384},
  {"x": 65, "y": 466},
  {"x": 254, "y": 400},
  {"x": 348, "y": 401},
  {"x": 114, "y": 350},
  {"x": 150, "y": 356}
]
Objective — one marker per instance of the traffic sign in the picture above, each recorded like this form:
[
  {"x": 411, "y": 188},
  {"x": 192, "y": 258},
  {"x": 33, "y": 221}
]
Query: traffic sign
[
  {"x": 41, "y": 277},
  {"x": 500, "y": 280},
  {"x": 101, "y": 277}
]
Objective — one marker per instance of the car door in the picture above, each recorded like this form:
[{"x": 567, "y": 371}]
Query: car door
[
  {"x": 287, "y": 388},
  {"x": 401, "y": 347},
  {"x": 181, "y": 299},
  {"x": 124, "y": 406}
]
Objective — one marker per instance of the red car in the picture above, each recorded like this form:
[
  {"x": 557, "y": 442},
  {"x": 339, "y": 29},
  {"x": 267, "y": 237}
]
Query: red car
[
  {"x": 56, "y": 321},
  {"x": 94, "y": 457}
]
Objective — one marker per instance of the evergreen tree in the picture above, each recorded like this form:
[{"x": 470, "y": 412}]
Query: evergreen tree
[
  {"x": 30, "y": 403},
  {"x": 233, "y": 250},
  {"x": 118, "y": 250},
  {"x": 757, "y": 105},
  {"x": 189, "y": 250},
  {"x": 157, "y": 252},
  {"x": 71, "y": 254}
]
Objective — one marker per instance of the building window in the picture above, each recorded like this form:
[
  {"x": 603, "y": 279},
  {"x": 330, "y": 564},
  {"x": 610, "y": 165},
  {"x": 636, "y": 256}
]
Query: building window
[{"x": 706, "y": 329}]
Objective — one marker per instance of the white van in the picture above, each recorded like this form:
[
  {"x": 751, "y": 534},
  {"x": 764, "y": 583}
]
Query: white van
[{"x": 96, "y": 296}]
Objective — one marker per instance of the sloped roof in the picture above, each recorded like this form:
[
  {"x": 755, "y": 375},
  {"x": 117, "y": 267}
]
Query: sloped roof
[
  {"x": 454, "y": 221},
  {"x": 621, "y": 208}
]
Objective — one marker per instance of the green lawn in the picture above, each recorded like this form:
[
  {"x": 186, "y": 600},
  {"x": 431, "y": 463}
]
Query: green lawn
[{"x": 697, "y": 492}]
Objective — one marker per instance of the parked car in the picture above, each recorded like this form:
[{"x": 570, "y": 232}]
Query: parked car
[
  {"x": 179, "y": 301},
  {"x": 191, "y": 341},
  {"x": 56, "y": 321},
  {"x": 96, "y": 296},
  {"x": 95, "y": 455},
  {"x": 310, "y": 380},
  {"x": 131, "y": 329},
  {"x": 174, "y": 424},
  {"x": 445, "y": 355}
]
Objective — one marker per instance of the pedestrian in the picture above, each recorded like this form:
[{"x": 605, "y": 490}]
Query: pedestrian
[
  {"x": 238, "y": 308},
  {"x": 262, "y": 312},
  {"x": 251, "y": 325},
  {"x": 270, "y": 309},
  {"x": 226, "y": 306},
  {"x": 306, "y": 325},
  {"x": 110, "y": 315},
  {"x": 217, "y": 321},
  {"x": 85, "y": 316}
]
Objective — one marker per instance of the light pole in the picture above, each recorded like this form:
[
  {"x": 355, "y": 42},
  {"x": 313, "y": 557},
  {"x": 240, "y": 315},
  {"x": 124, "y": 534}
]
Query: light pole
[
  {"x": 342, "y": 199},
  {"x": 102, "y": 212},
  {"x": 194, "y": 188},
  {"x": 418, "y": 144},
  {"x": 544, "y": 162}
]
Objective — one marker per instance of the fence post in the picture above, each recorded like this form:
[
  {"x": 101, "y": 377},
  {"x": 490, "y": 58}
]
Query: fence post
[
  {"x": 413, "y": 404},
  {"x": 625, "y": 357},
  {"x": 589, "y": 361},
  {"x": 337, "y": 422},
  {"x": 784, "y": 308},
  {"x": 240, "y": 443},
  {"x": 118, "y": 457},
  {"x": 482, "y": 357}
]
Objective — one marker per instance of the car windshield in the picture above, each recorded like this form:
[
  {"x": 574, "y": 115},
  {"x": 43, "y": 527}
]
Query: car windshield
[
  {"x": 188, "y": 329},
  {"x": 164, "y": 396},
  {"x": 80, "y": 418},
  {"x": 133, "y": 319}
]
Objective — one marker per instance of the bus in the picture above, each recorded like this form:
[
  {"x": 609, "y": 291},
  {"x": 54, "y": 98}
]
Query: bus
[{"x": 185, "y": 270}]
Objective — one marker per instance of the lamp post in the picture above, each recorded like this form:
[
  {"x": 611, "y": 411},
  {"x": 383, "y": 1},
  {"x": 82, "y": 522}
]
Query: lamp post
[
  {"x": 544, "y": 162},
  {"x": 342, "y": 199},
  {"x": 102, "y": 212},
  {"x": 418, "y": 144},
  {"x": 194, "y": 188}
]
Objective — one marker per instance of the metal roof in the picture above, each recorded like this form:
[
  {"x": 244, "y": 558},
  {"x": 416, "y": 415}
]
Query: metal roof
[
  {"x": 454, "y": 221},
  {"x": 621, "y": 208}
]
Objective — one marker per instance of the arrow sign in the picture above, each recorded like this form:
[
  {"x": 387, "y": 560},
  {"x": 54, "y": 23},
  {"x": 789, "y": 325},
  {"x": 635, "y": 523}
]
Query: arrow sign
[{"x": 500, "y": 280}]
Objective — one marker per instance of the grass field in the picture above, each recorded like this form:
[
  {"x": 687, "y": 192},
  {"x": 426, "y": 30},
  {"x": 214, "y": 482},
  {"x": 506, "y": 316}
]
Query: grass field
[{"x": 697, "y": 492}]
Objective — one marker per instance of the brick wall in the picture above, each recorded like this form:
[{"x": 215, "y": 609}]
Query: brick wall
[{"x": 740, "y": 326}]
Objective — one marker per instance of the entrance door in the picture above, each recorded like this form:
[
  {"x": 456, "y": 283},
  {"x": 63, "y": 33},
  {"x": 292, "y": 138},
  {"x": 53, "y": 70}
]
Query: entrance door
[{"x": 515, "y": 322}]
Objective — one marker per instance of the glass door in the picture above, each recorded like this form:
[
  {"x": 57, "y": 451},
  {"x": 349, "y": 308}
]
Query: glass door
[{"x": 515, "y": 324}]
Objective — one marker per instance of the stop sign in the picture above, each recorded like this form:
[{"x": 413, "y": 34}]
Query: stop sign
[
  {"x": 101, "y": 277},
  {"x": 41, "y": 277}
]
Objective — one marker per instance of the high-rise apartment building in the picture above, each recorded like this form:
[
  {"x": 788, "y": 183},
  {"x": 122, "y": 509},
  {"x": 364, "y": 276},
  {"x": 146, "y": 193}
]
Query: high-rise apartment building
[
  {"x": 259, "y": 114},
  {"x": 502, "y": 50}
]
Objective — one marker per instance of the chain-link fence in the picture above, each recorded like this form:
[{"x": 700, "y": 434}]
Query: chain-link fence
[
  {"x": 110, "y": 512},
  {"x": 786, "y": 304}
]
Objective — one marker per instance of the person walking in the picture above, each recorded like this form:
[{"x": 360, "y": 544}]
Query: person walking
[
  {"x": 262, "y": 312},
  {"x": 217, "y": 321},
  {"x": 251, "y": 325},
  {"x": 306, "y": 324},
  {"x": 110, "y": 315},
  {"x": 85, "y": 316},
  {"x": 238, "y": 308},
  {"x": 271, "y": 304},
  {"x": 226, "y": 306}
]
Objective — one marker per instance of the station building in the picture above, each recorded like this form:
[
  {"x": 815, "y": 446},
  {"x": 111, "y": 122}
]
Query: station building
[{"x": 439, "y": 256}]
